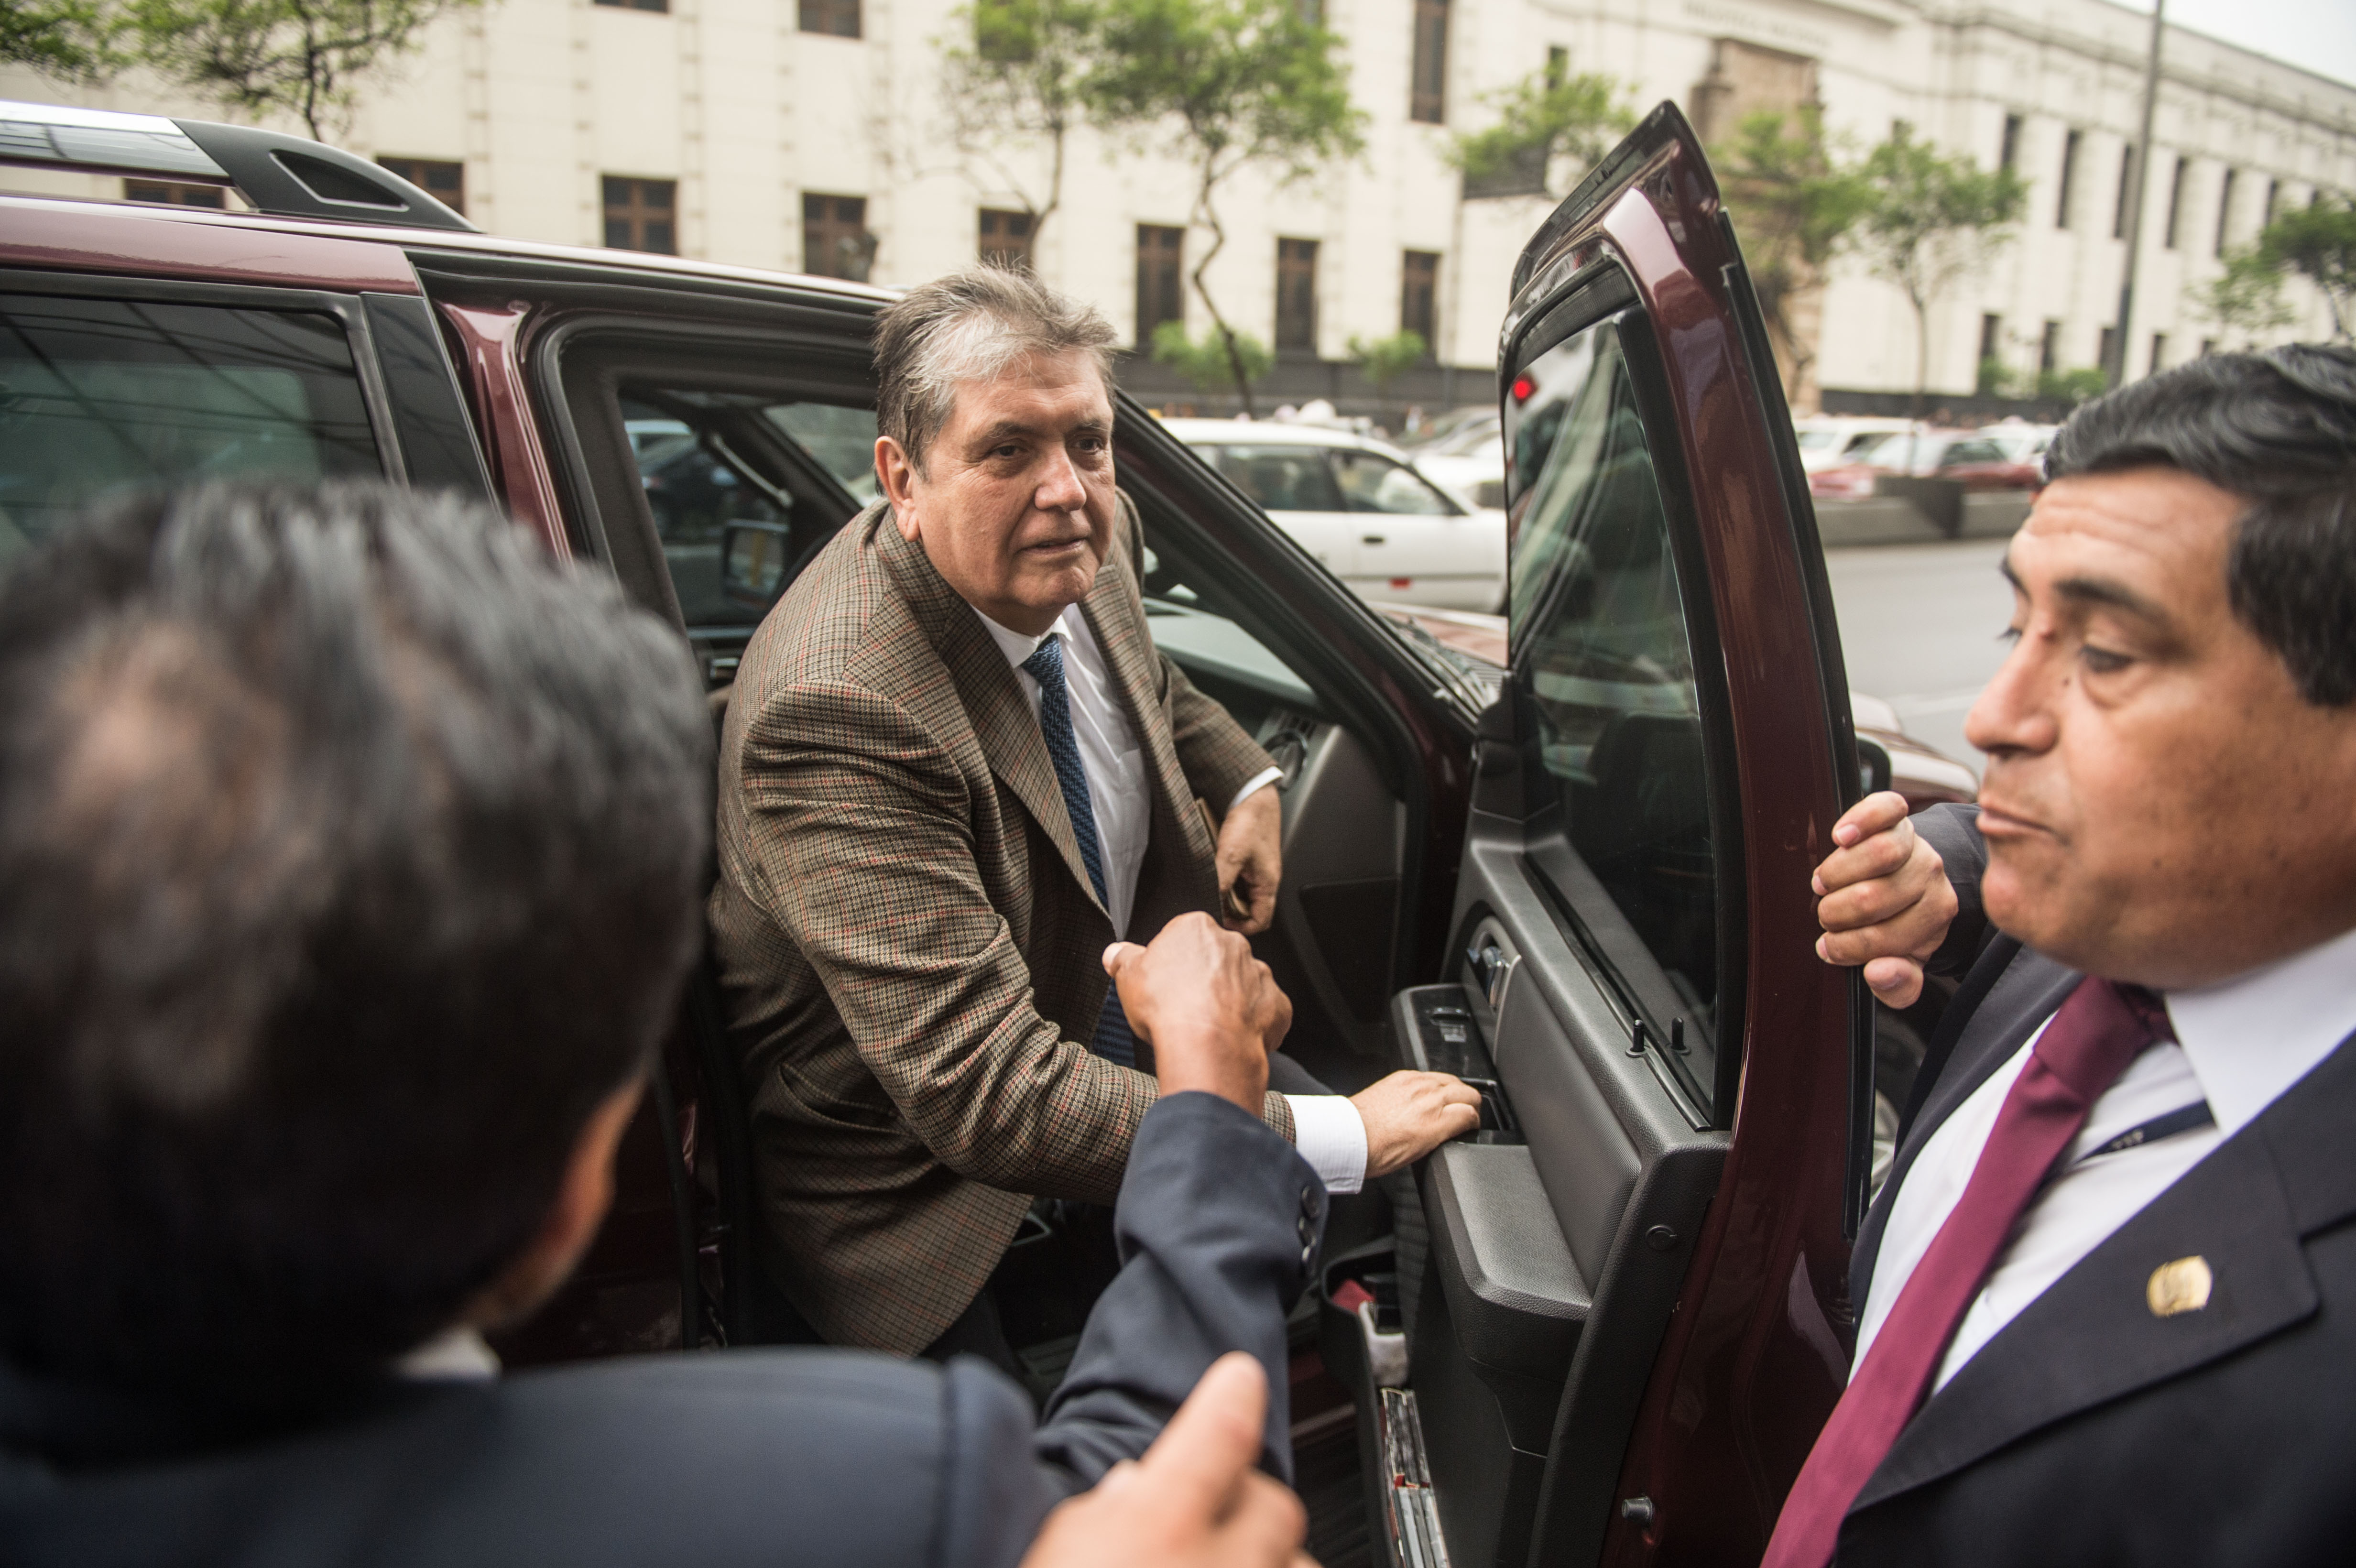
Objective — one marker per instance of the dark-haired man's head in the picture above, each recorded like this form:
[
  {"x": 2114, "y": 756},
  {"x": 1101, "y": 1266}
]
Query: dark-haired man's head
[
  {"x": 349, "y": 849},
  {"x": 2170, "y": 795}
]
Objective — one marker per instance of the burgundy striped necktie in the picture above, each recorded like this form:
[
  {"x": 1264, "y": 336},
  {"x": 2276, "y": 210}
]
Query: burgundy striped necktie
[{"x": 2097, "y": 1033}]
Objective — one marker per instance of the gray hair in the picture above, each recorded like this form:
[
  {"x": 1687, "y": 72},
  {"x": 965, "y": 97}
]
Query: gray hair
[{"x": 969, "y": 326}]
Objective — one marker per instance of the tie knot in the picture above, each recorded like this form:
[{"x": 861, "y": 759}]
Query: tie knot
[
  {"x": 1045, "y": 664},
  {"x": 2149, "y": 1011}
]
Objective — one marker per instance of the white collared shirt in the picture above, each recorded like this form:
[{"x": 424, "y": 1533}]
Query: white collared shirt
[
  {"x": 2240, "y": 1045},
  {"x": 1327, "y": 1129}
]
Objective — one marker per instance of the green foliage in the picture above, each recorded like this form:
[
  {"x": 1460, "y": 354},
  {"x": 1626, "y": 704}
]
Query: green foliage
[
  {"x": 1020, "y": 78},
  {"x": 1239, "y": 82},
  {"x": 1539, "y": 120},
  {"x": 2073, "y": 387},
  {"x": 1234, "y": 84},
  {"x": 1382, "y": 360},
  {"x": 280, "y": 57},
  {"x": 1793, "y": 205},
  {"x": 1998, "y": 379},
  {"x": 1205, "y": 361},
  {"x": 2247, "y": 296},
  {"x": 2317, "y": 241},
  {"x": 1930, "y": 220},
  {"x": 71, "y": 41}
]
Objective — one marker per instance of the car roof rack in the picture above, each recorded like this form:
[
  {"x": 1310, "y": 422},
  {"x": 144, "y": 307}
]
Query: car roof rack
[{"x": 288, "y": 177}]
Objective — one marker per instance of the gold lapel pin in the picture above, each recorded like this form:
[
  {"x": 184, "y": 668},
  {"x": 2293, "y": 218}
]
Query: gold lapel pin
[{"x": 2180, "y": 1286}]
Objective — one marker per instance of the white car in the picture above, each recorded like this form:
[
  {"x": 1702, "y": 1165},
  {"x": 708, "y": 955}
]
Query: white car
[
  {"x": 1360, "y": 507},
  {"x": 1829, "y": 439},
  {"x": 1469, "y": 460}
]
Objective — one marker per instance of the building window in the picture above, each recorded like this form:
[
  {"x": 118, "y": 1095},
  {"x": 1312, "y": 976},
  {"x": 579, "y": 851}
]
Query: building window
[
  {"x": 2224, "y": 211},
  {"x": 2175, "y": 203},
  {"x": 2158, "y": 351},
  {"x": 1419, "y": 290},
  {"x": 445, "y": 182},
  {"x": 835, "y": 240},
  {"x": 2208, "y": 346},
  {"x": 1296, "y": 295},
  {"x": 839, "y": 17},
  {"x": 635, "y": 4},
  {"x": 2048, "y": 349},
  {"x": 168, "y": 194},
  {"x": 2069, "y": 178},
  {"x": 1558, "y": 66},
  {"x": 1006, "y": 236},
  {"x": 2008, "y": 151},
  {"x": 2105, "y": 347},
  {"x": 642, "y": 215},
  {"x": 2126, "y": 191},
  {"x": 1161, "y": 285},
  {"x": 1427, "y": 79},
  {"x": 2274, "y": 198}
]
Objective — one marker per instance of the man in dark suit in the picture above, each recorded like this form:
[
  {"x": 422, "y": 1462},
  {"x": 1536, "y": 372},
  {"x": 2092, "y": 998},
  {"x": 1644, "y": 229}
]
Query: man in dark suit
[
  {"x": 955, "y": 767},
  {"x": 349, "y": 869},
  {"x": 2108, "y": 1291}
]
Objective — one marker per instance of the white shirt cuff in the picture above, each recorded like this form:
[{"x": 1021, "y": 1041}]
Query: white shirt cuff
[
  {"x": 1330, "y": 1135},
  {"x": 1259, "y": 781}
]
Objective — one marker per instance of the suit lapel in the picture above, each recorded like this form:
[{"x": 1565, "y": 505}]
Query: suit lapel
[
  {"x": 2094, "y": 1336},
  {"x": 992, "y": 697},
  {"x": 2019, "y": 988}
]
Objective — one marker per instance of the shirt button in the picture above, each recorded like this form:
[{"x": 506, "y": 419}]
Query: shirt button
[{"x": 1309, "y": 1203}]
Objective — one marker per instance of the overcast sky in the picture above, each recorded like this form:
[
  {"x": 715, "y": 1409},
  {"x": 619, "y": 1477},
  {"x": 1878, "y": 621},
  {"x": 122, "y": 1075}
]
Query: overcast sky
[{"x": 2319, "y": 34}]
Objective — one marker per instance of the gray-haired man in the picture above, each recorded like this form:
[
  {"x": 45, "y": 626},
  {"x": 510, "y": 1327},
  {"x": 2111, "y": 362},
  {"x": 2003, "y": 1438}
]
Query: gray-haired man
[{"x": 954, "y": 769}]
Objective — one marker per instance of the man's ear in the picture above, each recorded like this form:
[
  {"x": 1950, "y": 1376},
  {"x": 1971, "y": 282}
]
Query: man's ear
[
  {"x": 898, "y": 476},
  {"x": 586, "y": 1192}
]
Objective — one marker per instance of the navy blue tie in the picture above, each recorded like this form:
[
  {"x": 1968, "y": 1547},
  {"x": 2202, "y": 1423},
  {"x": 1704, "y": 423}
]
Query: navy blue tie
[{"x": 1114, "y": 1041}]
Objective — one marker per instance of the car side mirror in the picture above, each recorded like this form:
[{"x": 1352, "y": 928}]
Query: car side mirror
[
  {"x": 753, "y": 562},
  {"x": 1873, "y": 772}
]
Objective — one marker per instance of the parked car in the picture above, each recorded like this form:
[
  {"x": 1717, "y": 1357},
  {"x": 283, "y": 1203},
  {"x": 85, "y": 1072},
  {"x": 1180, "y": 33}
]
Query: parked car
[
  {"x": 1826, "y": 440},
  {"x": 1901, "y": 452},
  {"x": 1623, "y": 1314},
  {"x": 2001, "y": 457},
  {"x": 1360, "y": 507},
  {"x": 1469, "y": 460}
]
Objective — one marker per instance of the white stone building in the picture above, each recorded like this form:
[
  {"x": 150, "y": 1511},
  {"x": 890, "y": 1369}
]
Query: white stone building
[{"x": 812, "y": 134}]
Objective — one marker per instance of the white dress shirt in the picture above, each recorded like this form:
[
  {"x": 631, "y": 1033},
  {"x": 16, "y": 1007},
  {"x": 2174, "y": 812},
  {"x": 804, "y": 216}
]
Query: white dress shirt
[
  {"x": 1326, "y": 1129},
  {"x": 2240, "y": 1045}
]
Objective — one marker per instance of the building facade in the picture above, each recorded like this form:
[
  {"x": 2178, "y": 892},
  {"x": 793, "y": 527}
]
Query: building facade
[{"x": 815, "y": 135}]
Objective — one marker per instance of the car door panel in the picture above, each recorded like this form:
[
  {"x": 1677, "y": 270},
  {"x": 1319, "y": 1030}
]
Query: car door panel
[{"x": 1633, "y": 916}]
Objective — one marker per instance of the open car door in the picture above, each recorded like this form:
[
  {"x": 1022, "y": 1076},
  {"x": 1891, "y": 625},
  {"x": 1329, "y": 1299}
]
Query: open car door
[{"x": 1633, "y": 1318}]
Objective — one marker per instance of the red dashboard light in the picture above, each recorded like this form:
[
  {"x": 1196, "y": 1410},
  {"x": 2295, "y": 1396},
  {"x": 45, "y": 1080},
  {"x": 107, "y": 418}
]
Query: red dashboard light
[{"x": 1523, "y": 387}]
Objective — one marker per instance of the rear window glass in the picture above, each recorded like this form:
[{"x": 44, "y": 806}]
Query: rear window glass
[
  {"x": 99, "y": 397},
  {"x": 1280, "y": 478}
]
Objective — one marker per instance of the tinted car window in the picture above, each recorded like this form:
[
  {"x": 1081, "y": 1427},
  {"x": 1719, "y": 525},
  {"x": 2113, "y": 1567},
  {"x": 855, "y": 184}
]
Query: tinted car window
[
  {"x": 842, "y": 439},
  {"x": 713, "y": 484},
  {"x": 1372, "y": 483},
  {"x": 1603, "y": 660},
  {"x": 1280, "y": 478},
  {"x": 99, "y": 396}
]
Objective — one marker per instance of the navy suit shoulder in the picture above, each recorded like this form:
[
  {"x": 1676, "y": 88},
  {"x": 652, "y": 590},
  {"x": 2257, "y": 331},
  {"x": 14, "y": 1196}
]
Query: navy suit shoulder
[
  {"x": 2092, "y": 1430},
  {"x": 818, "y": 1457}
]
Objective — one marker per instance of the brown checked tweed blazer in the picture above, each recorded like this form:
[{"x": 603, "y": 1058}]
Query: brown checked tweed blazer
[{"x": 907, "y": 941}]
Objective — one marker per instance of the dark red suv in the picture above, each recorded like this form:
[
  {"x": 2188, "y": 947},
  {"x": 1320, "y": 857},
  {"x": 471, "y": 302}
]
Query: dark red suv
[{"x": 1621, "y": 1314}]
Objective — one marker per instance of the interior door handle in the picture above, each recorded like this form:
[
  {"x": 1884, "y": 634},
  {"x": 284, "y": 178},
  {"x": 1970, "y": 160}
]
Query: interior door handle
[{"x": 1370, "y": 539}]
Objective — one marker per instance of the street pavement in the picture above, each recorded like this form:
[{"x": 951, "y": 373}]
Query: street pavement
[{"x": 1919, "y": 627}]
